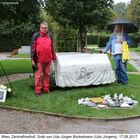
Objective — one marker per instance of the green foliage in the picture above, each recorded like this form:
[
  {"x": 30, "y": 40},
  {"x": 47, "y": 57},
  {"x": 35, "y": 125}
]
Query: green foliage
[
  {"x": 133, "y": 12},
  {"x": 80, "y": 14},
  {"x": 120, "y": 10},
  {"x": 65, "y": 40},
  {"x": 20, "y": 12},
  {"x": 133, "y": 39},
  {"x": 92, "y": 39},
  {"x": 102, "y": 39},
  {"x": 17, "y": 23},
  {"x": 14, "y": 36}
]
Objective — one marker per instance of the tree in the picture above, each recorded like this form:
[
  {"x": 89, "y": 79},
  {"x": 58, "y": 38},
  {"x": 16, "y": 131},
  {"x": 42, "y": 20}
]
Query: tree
[
  {"x": 80, "y": 14},
  {"x": 133, "y": 13},
  {"x": 18, "y": 20},
  {"x": 21, "y": 11},
  {"x": 120, "y": 9}
]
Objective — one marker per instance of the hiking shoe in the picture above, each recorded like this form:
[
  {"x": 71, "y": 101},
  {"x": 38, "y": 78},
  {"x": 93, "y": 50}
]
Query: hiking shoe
[
  {"x": 46, "y": 91},
  {"x": 124, "y": 83},
  {"x": 38, "y": 94}
]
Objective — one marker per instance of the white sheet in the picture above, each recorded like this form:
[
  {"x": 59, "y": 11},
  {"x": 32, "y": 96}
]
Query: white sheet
[{"x": 80, "y": 69}]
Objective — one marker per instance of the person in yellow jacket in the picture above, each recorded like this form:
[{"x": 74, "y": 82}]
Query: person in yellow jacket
[{"x": 117, "y": 39}]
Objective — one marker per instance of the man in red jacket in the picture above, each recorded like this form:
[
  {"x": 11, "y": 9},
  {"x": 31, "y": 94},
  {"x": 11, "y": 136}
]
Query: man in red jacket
[{"x": 42, "y": 53}]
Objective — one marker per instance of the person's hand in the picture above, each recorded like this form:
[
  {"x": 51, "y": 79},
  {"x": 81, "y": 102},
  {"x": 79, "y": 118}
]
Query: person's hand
[
  {"x": 34, "y": 66},
  {"x": 100, "y": 51},
  {"x": 122, "y": 39},
  {"x": 33, "y": 63}
]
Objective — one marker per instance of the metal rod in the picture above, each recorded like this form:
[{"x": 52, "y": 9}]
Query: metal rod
[{"x": 6, "y": 75}]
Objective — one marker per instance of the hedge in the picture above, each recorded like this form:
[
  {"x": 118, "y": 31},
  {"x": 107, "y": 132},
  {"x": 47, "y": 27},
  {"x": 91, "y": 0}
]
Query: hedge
[
  {"x": 9, "y": 44},
  {"x": 133, "y": 38},
  {"x": 15, "y": 36},
  {"x": 104, "y": 38},
  {"x": 92, "y": 39},
  {"x": 65, "y": 40}
]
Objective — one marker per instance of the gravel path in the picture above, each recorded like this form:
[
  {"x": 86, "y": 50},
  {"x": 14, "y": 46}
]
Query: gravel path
[
  {"x": 12, "y": 121},
  {"x": 14, "y": 77},
  {"x": 135, "y": 60}
]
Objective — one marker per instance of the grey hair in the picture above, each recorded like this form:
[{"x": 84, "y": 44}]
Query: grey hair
[{"x": 44, "y": 23}]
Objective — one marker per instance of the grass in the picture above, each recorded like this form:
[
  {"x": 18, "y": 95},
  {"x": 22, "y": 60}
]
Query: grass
[
  {"x": 64, "y": 101},
  {"x": 16, "y": 66}
]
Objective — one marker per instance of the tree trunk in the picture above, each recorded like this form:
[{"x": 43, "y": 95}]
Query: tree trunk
[{"x": 79, "y": 37}]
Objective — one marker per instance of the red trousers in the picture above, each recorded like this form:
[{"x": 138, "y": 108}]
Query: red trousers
[{"x": 42, "y": 82}]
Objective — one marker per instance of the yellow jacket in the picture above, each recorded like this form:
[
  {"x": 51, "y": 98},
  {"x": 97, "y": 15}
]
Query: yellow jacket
[{"x": 125, "y": 52}]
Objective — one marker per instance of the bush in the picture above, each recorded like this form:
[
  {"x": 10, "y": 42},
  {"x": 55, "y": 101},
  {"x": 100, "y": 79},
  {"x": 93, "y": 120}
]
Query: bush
[
  {"x": 92, "y": 39},
  {"x": 8, "y": 44},
  {"x": 14, "y": 36},
  {"x": 66, "y": 40},
  {"x": 133, "y": 38},
  {"x": 102, "y": 40}
]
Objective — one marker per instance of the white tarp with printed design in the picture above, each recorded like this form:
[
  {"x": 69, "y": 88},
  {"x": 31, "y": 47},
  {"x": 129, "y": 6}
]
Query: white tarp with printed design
[{"x": 82, "y": 69}]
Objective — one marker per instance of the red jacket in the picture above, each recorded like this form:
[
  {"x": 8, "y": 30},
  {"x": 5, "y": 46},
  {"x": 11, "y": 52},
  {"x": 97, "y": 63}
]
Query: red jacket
[{"x": 42, "y": 47}]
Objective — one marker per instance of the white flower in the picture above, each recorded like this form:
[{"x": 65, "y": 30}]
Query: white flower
[
  {"x": 3, "y": 87},
  {"x": 9, "y": 89}
]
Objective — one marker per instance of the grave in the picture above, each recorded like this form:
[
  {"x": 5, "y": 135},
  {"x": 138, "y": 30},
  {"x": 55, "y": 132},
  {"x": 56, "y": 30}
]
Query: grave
[{"x": 24, "y": 50}]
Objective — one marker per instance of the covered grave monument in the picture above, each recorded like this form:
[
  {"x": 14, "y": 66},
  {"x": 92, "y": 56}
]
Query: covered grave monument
[{"x": 82, "y": 69}]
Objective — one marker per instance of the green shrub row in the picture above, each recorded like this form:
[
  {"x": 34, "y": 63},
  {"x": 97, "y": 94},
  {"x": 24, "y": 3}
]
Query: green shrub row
[
  {"x": 65, "y": 39},
  {"x": 92, "y": 39},
  {"x": 102, "y": 39},
  {"x": 9, "y": 44}
]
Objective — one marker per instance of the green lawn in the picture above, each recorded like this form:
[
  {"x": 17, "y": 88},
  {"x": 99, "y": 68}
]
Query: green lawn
[
  {"x": 64, "y": 101},
  {"x": 16, "y": 66}
]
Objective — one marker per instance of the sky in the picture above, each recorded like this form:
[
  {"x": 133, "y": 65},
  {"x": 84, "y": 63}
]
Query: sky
[{"x": 117, "y": 1}]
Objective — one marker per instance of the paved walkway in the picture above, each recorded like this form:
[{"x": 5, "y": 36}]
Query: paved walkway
[
  {"x": 6, "y": 56},
  {"x": 14, "y": 77},
  {"x": 13, "y": 121},
  {"x": 135, "y": 60}
]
